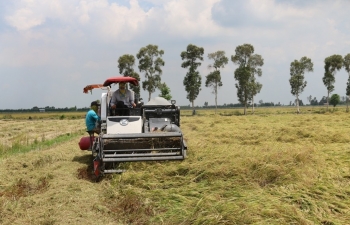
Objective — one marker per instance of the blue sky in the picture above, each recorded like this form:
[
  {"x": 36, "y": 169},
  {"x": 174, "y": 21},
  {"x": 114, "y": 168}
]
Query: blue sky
[{"x": 50, "y": 50}]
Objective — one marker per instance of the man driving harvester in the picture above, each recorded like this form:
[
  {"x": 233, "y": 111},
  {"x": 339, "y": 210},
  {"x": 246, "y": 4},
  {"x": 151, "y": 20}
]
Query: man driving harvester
[{"x": 122, "y": 100}]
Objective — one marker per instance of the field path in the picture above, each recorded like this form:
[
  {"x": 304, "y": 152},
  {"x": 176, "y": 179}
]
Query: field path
[{"x": 50, "y": 186}]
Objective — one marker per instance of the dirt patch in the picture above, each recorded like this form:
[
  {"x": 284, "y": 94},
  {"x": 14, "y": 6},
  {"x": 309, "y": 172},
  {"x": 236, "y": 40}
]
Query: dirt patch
[
  {"x": 133, "y": 207},
  {"x": 23, "y": 188},
  {"x": 86, "y": 173}
]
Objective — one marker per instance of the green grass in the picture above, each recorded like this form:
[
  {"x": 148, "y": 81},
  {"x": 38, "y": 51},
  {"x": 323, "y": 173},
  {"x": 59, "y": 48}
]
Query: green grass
[{"x": 19, "y": 147}]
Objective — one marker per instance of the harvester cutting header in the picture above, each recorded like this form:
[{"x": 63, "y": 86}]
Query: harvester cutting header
[{"x": 140, "y": 132}]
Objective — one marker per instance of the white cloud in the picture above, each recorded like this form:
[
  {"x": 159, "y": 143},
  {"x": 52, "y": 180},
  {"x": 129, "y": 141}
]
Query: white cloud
[
  {"x": 189, "y": 18},
  {"x": 25, "y": 19}
]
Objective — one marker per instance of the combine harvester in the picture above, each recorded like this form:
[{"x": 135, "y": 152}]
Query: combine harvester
[{"x": 149, "y": 132}]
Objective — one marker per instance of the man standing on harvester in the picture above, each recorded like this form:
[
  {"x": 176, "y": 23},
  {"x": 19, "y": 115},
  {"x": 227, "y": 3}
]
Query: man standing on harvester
[{"x": 93, "y": 120}]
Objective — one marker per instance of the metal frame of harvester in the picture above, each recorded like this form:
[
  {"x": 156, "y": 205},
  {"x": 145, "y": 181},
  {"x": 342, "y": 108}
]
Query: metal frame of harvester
[{"x": 150, "y": 132}]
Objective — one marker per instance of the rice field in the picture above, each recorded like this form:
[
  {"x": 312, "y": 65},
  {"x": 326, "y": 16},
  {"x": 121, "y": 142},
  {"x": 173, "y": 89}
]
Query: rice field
[{"x": 273, "y": 167}]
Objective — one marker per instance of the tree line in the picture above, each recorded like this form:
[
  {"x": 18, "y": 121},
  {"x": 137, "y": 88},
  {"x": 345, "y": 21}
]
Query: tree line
[
  {"x": 249, "y": 66},
  {"x": 151, "y": 62}
]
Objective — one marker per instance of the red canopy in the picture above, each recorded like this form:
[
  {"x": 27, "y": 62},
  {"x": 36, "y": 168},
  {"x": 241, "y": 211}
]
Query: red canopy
[{"x": 119, "y": 79}]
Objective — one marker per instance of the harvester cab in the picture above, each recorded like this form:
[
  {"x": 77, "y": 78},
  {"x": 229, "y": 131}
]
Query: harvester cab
[{"x": 148, "y": 132}]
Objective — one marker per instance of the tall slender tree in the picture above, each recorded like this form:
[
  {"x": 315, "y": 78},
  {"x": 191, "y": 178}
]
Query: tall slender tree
[
  {"x": 332, "y": 64},
  {"x": 214, "y": 78},
  {"x": 126, "y": 65},
  {"x": 248, "y": 66},
  {"x": 193, "y": 79},
  {"x": 347, "y": 68},
  {"x": 150, "y": 62},
  {"x": 297, "y": 83}
]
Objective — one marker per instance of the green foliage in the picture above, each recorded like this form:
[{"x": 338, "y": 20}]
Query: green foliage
[
  {"x": 347, "y": 68},
  {"x": 150, "y": 62},
  {"x": 348, "y": 87},
  {"x": 214, "y": 80},
  {"x": 165, "y": 92},
  {"x": 254, "y": 87},
  {"x": 248, "y": 66},
  {"x": 329, "y": 80},
  {"x": 192, "y": 80},
  {"x": 242, "y": 75},
  {"x": 126, "y": 65},
  {"x": 335, "y": 99},
  {"x": 347, "y": 63}
]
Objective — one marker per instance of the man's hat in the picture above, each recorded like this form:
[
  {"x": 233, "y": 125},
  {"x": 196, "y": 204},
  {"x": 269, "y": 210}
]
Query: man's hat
[{"x": 97, "y": 103}]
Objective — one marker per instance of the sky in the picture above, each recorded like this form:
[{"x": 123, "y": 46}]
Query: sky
[{"x": 50, "y": 50}]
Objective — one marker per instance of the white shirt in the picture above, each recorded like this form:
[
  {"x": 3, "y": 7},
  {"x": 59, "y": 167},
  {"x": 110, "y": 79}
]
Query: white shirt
[{"x": 127, "y": 98}]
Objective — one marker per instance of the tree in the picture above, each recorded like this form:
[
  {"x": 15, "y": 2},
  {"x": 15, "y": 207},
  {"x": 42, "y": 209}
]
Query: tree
[
  {"x": 150, "y": 62},
  {"x": 297, "y": 83},
  {"x": 335, "y": 99},
  {"x": 192, "y": 80},
  {"x": 214, "y": 78},
  {"x": 332, "y": 64},
  {"x": 347, "y": 68},
  {"x": 314, "y": 101},
  {"x": 165, "y": 91},
  {"x": 126, "y": 65},
  {"x": 309, "y": 98},
  {"x": 248, "y": 65},
  {"x": 323, "y": 101}
]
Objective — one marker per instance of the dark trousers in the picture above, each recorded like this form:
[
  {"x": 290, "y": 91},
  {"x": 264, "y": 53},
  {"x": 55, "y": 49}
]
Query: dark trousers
[{"x": 121, "y": 109}]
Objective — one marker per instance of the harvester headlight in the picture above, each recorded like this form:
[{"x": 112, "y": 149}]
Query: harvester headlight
[{"x": 173, "y": 102}]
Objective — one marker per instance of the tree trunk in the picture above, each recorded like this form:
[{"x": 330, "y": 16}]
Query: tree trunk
[
  {"x": 216, "y": 99},
  {"x": 245, "y": 108},
  {"x": 347, "y": 104},
  {"x": 297, "y": 104},
  {"x": 193, "y": 110},
  {"x": 253, "y": 105},
  {"x": 149, "y": 96},
  {"x": 327, "y": 100}
]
